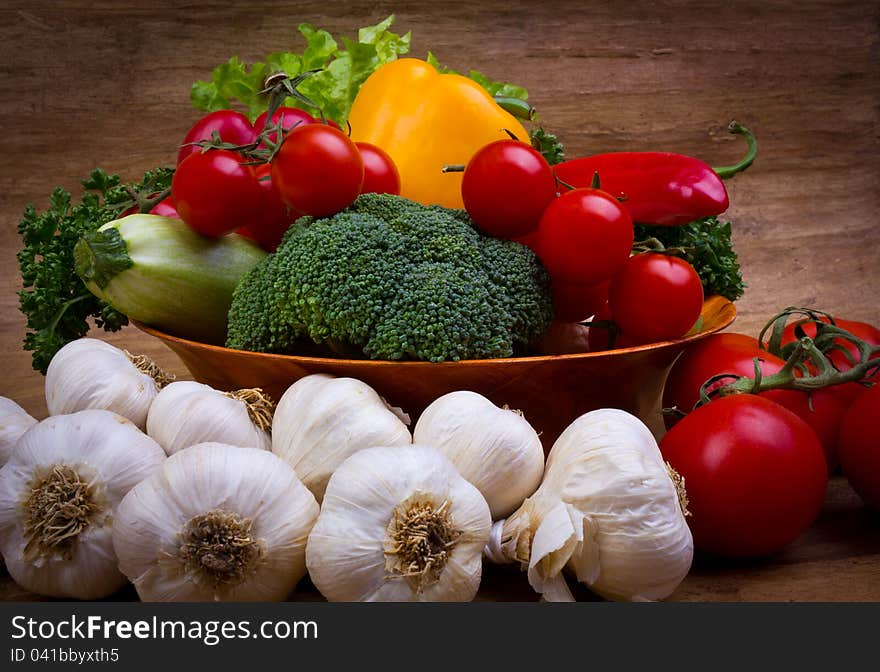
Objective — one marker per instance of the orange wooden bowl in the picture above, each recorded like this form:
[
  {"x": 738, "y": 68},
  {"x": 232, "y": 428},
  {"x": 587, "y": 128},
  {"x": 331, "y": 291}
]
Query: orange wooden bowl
[{"x": 550, "y": 390}]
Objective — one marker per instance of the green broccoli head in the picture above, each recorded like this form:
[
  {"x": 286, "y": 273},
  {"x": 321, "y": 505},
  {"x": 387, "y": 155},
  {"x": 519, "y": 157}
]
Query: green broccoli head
[{"x": 395, "y": 280}]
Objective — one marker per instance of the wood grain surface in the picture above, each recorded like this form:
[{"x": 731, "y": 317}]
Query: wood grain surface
[{"x": 89, "y": 84}]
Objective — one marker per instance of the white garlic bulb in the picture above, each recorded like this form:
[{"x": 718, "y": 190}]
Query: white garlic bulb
[
  {"x": 90, "y": 373},
  {"x": 216, "y": 522},
  {"x": 321, "y": 420},
  {"x": 14, "y": 421},
  {"x": 186, "y": 413},
  {"x": 608, "y": 509},
  {"x": 398, "y": 523},
  {"x": 59, "y": 493},
  {"x": 496, "y": 449}
]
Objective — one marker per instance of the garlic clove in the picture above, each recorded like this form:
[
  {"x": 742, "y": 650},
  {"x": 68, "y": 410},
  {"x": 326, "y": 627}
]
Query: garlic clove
[
  {"x": 321, "y": 420},
  {"x": 217, "y": 522},
  {"x": 494, "y": 448},
  {"x": 58, "y": 495},
  {"x": 90, "y": 373},
  {"x": 398, "y": 523},
  {"x": 14, "y": 421},
  {"x": 186, "y": 413}
]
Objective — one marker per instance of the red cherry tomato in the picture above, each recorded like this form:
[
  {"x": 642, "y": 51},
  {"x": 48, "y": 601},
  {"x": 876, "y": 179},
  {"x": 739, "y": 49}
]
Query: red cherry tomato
[
  {"x": 275, "y": 216},
  {"x": 576, "y": 303},
  {"x": 232, "y": 127},
  {"x": 732, "y": 353},
  {"x": 655, "y": 297},
  {"x": 754, "y": 474},
  {"x": 380, "y": 174},
  {"x": 318, "y": 170},
  {"x": 290, "y": 117},
  {"x": 585, "y": 237},
  {"x": 859, "y": 446},
  {"x": 506, "y": 187},
  {"x": 215, "y": 192}
]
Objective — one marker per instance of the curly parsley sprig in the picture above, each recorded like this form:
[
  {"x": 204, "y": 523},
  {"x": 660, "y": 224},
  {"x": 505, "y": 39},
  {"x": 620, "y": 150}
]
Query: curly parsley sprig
[{"x": 53, "y": 298}]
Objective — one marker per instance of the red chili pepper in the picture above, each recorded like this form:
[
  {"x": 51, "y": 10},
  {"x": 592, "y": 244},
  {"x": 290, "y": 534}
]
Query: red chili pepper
[{"x": 659, "y": 187}]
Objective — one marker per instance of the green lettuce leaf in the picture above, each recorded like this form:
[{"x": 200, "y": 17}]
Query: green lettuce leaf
[{"x": 236, "y": 85}]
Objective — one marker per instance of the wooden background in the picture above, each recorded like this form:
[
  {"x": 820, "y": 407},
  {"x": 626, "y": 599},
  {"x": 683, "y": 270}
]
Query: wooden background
[{"x": 88, "y": 84}]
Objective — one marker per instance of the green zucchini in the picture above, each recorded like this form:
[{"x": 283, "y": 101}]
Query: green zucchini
[{"x": 158, "y": 271}]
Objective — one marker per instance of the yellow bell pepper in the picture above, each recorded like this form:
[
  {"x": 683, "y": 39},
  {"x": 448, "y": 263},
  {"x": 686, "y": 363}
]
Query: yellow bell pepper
[{"x": 426, "y": 120}]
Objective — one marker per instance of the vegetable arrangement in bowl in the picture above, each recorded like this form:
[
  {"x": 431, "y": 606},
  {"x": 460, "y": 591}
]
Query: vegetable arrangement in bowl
[
  {"x": 762, "y": 428},
  {"x": 331, "y": 238},
  {"x": 401, "y": 232}
]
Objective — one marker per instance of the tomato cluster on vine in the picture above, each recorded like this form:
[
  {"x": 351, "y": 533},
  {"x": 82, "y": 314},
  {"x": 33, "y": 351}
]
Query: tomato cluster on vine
[
  {"x": 257, "y": 178},
  {"x": 756, "y": 462},
  {"x": 584, "y": 237}
]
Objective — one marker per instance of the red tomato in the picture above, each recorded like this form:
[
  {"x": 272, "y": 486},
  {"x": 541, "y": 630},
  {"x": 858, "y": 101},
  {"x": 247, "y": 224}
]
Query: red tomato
[
  {"x": 380, "y": 174},
  {"x": 655, "y": 297},
  {"x": 858, "y": 446},
  {"x": 232, "y": 127},
  {"x": 576, "y": 303},
  {"x": 215, "y": 192},
  {"x": 585, "y": 237},
  {"x": 754, "y": 474},
  {"x": 823, "y": 410},
  {"x": 275, "y": 217},
  {"x": 506, "y": 187},
  {"x": 290, "y": 117},
  {"x": 734, "y": 354},
  {"x": 165, "y": 208},
  {"x": 318, "y": 170}
]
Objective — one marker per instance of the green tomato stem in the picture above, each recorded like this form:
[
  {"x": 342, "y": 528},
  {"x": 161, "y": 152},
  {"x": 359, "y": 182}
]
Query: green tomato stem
[{"x": 785, "y": 378}]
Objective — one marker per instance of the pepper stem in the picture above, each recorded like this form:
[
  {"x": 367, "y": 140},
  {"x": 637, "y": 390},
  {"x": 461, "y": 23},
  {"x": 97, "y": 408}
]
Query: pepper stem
[{"x": 726, "y": 172}]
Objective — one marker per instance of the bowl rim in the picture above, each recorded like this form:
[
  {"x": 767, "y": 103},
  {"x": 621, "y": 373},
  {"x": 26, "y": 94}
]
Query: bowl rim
[{"x": 719, "y": 305}]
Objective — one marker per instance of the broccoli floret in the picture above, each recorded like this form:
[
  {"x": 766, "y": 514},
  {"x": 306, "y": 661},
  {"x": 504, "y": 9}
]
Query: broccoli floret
[{"x": 393, "y": 279}]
